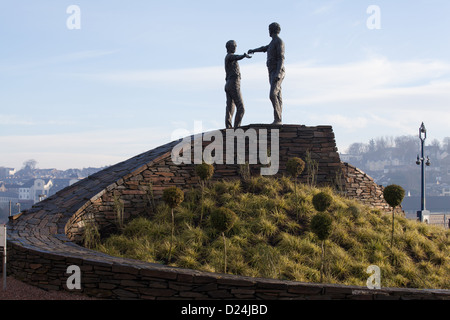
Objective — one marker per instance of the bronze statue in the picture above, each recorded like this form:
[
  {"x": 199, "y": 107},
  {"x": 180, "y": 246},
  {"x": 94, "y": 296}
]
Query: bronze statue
[
  {"x": 233, "y": 85},
  {"x": 275, "y": 64}
]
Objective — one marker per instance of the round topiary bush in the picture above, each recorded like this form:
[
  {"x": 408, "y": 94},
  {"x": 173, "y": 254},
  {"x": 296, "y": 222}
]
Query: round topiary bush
[
  {"x": 394, "y": 195},
  {"x": 322, "y": 201},
  {"x": 223, "y": 219},
  {"x": 295, "y": 166},
  {"x": 321, "y": 225},
  {"x": 173, "y": 196},
  {"x": 205, "y": 171}
]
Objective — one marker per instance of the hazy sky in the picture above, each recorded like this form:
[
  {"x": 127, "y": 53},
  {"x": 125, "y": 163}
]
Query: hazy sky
[{"x": 137, "y": 71}]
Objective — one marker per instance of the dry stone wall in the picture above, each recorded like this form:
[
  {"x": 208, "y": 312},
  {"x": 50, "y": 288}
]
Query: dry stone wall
[
  {"x": 358, "y": 185},
  {"x": 43, "y": 241}
]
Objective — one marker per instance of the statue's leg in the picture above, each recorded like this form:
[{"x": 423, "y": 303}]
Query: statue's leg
[
  {"x": 276, "y": 99},
  {"x": 237, "y": 97},
  {"x": 280, "y": 102},
  {"x": 229, "y": 110}
]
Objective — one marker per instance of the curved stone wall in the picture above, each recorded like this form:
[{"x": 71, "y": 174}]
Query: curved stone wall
[
  {"x": 358, "y": 185},
  {"x": 43, "y": 241}
]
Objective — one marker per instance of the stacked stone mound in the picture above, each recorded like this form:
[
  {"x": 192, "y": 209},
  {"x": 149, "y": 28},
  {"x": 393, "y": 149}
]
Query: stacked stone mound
[
  {"x": 147, "y": 181},
  {"x": 43, "y": 242}
]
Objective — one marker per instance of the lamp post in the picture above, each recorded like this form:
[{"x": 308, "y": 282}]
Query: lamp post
[{"x": 423, "y": 162}]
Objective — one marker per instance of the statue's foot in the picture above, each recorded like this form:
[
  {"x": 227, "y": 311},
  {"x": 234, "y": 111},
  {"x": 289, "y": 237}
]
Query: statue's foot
[{"x": 277, "y": 123}]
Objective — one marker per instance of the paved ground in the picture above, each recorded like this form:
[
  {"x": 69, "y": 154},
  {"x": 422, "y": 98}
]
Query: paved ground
[{"x": 17, "y": 290}]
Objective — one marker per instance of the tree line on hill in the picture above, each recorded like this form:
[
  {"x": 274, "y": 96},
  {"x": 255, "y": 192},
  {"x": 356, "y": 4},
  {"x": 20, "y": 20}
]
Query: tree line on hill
[{"x": 393, "y": 160}]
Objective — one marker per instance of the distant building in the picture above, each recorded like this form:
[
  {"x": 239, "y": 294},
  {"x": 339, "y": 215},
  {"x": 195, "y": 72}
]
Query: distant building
[
  {"x": 6, "y": 197},
  {"x": 12, "y": 187},
  {"x": 35, "y": 190},
  {"x": 349, "y": 158},
  {"x": 8, "y": 201},
  {"x": 6, "y": 172}
]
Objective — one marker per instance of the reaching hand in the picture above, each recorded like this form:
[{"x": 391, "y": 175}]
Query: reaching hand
[
  {"x": 251, "y": 52},
  {"x": 247, "y": 56}
]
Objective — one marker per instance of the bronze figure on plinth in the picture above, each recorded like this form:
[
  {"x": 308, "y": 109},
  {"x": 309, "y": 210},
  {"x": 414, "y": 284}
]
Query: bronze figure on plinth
[
  {"x": 275, "y": 65},
  {"x": 233, "y": 86}
]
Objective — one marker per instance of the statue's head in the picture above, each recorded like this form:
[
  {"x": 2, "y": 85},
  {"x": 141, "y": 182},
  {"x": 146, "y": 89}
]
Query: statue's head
[
  {"x": 274, "y": 28},
  {"x": 231, "y": 46}
]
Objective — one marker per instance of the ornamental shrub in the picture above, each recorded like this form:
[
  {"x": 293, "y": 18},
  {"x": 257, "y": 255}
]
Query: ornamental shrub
[
  {"x": 394, "y": 195},
  {"x": 321, "y": 225},
  {"x": 172, "y": 196},
  {"x": 322, "y": 201},
  {"x": 223, "y": 219},
  {"x": 205, "y": 171},
  {"x": 295, "y": 166}
]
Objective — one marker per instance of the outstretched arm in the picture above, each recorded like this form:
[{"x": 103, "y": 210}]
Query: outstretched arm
[
  {"x": 260, "y": 49},
  {"x": 239, "y": 57}
]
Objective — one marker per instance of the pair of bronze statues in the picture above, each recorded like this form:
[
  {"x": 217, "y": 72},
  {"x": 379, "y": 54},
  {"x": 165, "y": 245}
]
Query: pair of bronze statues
[{"x": 275, "y": 65}]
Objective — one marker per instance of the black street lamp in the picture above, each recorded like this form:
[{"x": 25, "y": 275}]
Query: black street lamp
[{"x": 424, "y": 162}]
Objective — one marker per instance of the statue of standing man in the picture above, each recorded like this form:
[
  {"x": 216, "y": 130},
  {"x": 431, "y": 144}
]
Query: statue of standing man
[
  {"x": 275, "y": 64},
  {"x": 233, "y": 85}
]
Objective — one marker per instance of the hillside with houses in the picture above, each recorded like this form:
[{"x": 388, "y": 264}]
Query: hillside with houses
[
  {"x": 21, "y": 189},
  {"x": 393, "y": 161}
]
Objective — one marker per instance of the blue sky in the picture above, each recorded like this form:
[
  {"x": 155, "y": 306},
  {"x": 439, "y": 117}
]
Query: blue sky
[{"x": 138, "y": 71}]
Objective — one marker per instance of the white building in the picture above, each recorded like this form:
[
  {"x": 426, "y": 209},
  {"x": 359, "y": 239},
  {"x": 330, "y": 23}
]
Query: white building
[{"x": 35, "y": 190}]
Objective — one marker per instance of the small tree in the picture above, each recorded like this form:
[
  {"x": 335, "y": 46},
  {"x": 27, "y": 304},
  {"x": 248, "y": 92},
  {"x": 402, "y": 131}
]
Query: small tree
[
  {"x": 205, "y": 172},
  {"x": 223, "y": 219},
  {"x": 173, "y": 197},
  {"x": 120, "y": 211},
  {"x": 321, "y": 223},
  {"x": 91, "y": 235},
  {"x": 312, "y": 169},
  {"x": 393, "y": 194},
  {"x": 295, "y": 167},
  {"x": 322, "y": 201}
]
